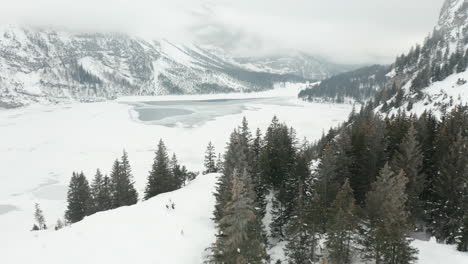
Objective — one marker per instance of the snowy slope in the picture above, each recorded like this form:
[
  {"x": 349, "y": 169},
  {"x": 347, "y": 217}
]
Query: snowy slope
[
  {"x": 440, "y": 96},
  {"x": 144, "y": 233}
]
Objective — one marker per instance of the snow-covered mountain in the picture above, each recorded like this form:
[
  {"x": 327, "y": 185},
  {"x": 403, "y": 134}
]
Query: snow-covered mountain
[
  {"x": 48, "y": 65},
  {"x": 430, "y": 76}
]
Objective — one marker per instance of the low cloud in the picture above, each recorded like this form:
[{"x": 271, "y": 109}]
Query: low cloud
[{"x": 346, "y": 31}]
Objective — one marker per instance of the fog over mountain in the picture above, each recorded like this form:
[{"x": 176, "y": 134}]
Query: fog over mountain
[{"x": 366, "y": 31}]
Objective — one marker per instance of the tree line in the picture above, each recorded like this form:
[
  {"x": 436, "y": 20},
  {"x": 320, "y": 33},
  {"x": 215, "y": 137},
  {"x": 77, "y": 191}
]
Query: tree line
[
  {"x": 117, "y": 189},
  {"x": 359, "y": 84},
  {"x": 110, "y": 192},
  {"x": 361, "y": 191}
]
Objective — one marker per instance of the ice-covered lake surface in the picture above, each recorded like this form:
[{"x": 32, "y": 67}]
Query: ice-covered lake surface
[{"x": 191, "y": 113}]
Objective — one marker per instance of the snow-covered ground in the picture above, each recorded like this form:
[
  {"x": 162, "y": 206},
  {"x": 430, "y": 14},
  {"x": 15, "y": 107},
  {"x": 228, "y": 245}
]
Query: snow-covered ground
[
  {"x": 40, "y": 147},
  {"x": 144, "y": 233}
]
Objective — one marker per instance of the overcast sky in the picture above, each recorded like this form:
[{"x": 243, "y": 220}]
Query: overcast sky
[{"x": 346, "y": 31}]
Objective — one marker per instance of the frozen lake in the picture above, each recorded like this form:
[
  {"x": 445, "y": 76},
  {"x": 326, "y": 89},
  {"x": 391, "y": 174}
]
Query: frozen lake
[
  {"x": 40, "y": 146},
  {"x": 190, "y": 113}
]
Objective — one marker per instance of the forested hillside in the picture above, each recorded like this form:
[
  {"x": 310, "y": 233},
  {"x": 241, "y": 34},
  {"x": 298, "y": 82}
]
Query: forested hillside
[
  {"x": 362, "y": 192},
  {"x": 359, "y": 85}
]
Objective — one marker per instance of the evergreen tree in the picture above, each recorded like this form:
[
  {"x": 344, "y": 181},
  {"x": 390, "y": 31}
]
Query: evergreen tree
[
  {"x": 234, "y": 159},
  {"x": 160, "y": 179},
  {"x": 130, "y": 192},
  {"x": 245, "y": 131},
  {"x": 328, "y": 182},
  {"x": 342, "y": 226},
  {"x": 179, "y": 172},
  {"x": 427, "y": 129},
  {"x": 240, "y": 238},
  {"x": 219, "y": 164},
  {"x": 255, "y": 170},
  {"x": 277, "y": 166},
  {"x": 368, "y": 146},
  {"x": 101, "y": 192},
  {"x": 122, "y": 185},
  {"x": 409, "y": 158},
  {"x": 39, "y": 217},
  {"x": 210, "y": 159},
  {"x": 304, "y": 228},
  {"x": 78, "y": 198},
  {"x": 384, "y": 239},
  {"x": 450, "y": 188}
]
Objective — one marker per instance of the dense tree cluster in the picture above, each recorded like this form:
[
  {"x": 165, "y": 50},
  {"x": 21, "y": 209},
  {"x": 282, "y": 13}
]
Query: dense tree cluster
[
  {"x": 81, "y": 75},
  {"x": 428, "y": 154},
  {"x": 359, "y": 84},
  {"x": 166, "y": 174},
  {"x": 374, "y": 182},
  {"x": 116, "y": 190}
]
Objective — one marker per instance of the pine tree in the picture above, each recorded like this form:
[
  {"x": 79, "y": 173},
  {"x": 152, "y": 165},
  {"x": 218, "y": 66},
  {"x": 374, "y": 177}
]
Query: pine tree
[
  {"x": 234, "y": 159},
  {"x": 78, "y": 198},
  {"x": 240, "y": 237},
  {"x": 328, "y": 178},
  {"x": 101, "y": 192},
  {"x": 304, "y": 227},
  {"x": 39, "y": 217},
  {"x": 277, "y": 165},
  {"x": 450, "y": 187},
  {"x": 219, "y": 164},
  {"x": 245, "y": 131},
  {"x": 131, "y": 194},
  {"x": 384, "y": 239},
  {"x": 160, "y": 178},
  {"x": 210, "y": 159},
  {"x": 179, "y": 173},
  {"x": 255, "y": 170},
  {"x": 342, "y": 226},
  {"x": 409, "y": 158},
  {"x": 122, "y": 185},
  {"x": 368, "y": 143}
]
